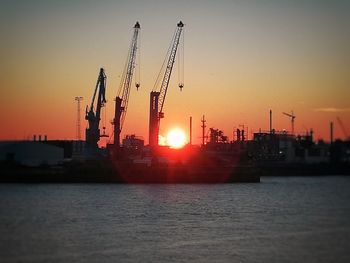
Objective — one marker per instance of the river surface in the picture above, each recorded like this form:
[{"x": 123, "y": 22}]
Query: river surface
[{"x": 282, "y": 219}]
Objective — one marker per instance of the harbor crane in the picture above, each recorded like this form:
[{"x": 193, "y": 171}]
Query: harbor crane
[
  {"x": 122, "y": 99},
  {"x": 158, "y": 95},
  {"x": 344, "y": 130},
  {"x": 92, "y": 135},
  {"x": 292, "y": 117}
]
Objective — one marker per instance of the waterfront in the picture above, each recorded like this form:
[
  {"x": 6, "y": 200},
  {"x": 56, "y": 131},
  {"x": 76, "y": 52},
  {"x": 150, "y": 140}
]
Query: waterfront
[{"x": 282, "y": 219}]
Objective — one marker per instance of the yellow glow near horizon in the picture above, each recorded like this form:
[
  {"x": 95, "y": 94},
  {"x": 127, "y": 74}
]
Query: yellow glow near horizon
[
  {"x": 176, "y": 138},
  {"x": 161, "y": 140}
]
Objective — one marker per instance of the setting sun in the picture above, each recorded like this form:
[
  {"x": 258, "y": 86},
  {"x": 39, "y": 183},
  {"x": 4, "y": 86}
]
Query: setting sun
[{"x": 176, "y": 138}]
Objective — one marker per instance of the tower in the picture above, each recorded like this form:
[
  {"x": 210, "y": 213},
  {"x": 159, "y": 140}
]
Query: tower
[
  {"x": 78, "y": 133},
  {"x": 203, "y": 130},
  {"x": 270, "y": 121}
]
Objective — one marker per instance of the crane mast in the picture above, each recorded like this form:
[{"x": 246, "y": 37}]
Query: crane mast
[
  {"x": 122, "y": 100},
  {"x": 157, "y": 98},
  {"x": 93, "y": 132}
]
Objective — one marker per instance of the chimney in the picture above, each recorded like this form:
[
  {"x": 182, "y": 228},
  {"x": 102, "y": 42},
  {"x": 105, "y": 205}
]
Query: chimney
[
  {"x": 312, "y": 135},
  {"x": 191, "y": 130},
  {"x": 331, "y": 131},
  {"x": 270, "y": 121},
  {"x": 238, "y": 135}
]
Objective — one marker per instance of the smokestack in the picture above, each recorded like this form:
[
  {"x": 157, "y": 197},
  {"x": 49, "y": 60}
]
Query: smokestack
[
  {"x": 331, "y": 131},
  {"x": 203, "y": 130},
  {"x": 191, "y": 130},
  {"x": 238, "y": 135},
  {"x": 45, "y": 138},
  {"x": 34, "y": 137},
  {"x": 39, "y": 138},
  {"x": 312, "y": 135},
  {"x": 270, "y": 121}
]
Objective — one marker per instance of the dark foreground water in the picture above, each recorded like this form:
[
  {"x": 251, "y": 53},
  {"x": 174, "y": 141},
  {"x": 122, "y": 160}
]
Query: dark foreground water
[{"x": 294, "y": 219}]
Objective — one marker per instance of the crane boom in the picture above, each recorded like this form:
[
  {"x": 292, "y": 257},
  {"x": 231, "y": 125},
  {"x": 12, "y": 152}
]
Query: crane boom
[
  {"x": 289, "y": 115},
  {"x": 292, "y": 117},
  {"x": 165, "y": 83},
  {"x": 93, "y": 131},
  {"x": 157, "y": 98},
  {"x": 122, "y": 100}
]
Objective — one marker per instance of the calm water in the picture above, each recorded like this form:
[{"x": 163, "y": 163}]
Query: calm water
[{"x": 279, "y": 220}]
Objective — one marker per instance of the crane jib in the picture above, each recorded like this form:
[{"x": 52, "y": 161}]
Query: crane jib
[
  {"x": 127, "y": 79},
  {"x": 169, "y": 67},
  {"x": 157, "y": 96},
  {"x": 122, "y": 99}
]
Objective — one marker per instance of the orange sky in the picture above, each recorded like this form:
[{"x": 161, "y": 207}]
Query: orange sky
[{"x": 242, "y": 58}]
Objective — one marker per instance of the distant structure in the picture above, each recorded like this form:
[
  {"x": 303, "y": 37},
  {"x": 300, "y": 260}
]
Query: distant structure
[
  {"x": 31, "y": 153},
  {"x": 203, "y": 130},
  {"x": 331, "y": 132},
  {"x": 240, "y": 134},
  {"x": 270, "y": 121},
  {"x": 78, "y": 133},
  {"x": 191, "y": 130},
  {"x": 292, "y": 117},
  {"x": 133, "y": 143},
  {"x": 217, "y": 136}
]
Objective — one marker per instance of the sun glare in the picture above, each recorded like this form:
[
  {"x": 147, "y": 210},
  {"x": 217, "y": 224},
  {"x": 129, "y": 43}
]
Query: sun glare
[
  {"x": 176, "y": 138},
  {"x": 161, "y": 140}
]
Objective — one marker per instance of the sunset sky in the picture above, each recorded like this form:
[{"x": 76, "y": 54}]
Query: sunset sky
[{"x": 242, "y": 58}]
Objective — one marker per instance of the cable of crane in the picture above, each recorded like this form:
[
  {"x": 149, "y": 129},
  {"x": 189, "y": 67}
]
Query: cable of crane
[
  {"x": 138, "y": 63},
  {"x": 163, "y": 68},
  {"x": 181, "y": 61}
]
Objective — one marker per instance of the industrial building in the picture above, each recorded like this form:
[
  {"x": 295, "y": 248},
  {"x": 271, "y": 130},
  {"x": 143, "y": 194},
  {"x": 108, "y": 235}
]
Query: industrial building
[{"x": 31, "y": 153}]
